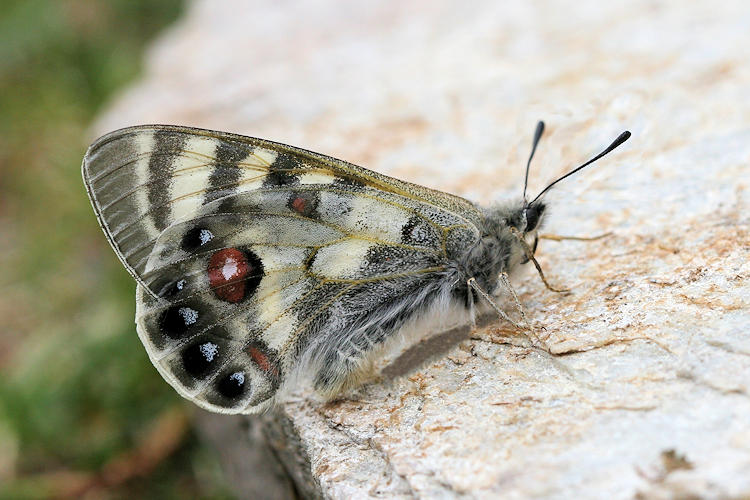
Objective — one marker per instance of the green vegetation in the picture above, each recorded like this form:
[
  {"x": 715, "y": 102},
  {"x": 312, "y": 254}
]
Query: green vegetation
[{"x": 82, "y": 411}]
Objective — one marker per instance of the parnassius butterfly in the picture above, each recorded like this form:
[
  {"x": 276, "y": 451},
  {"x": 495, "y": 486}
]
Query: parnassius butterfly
[{"x": 256, "y": 261}]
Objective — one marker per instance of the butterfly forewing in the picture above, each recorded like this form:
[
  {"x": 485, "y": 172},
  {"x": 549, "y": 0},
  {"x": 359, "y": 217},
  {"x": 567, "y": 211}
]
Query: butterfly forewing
[
  {"x": 250, "y": 255},
  {"x": 141, "y": 179}
]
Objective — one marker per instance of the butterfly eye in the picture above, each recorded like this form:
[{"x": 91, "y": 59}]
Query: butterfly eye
[{"x": 533, "y": 214}]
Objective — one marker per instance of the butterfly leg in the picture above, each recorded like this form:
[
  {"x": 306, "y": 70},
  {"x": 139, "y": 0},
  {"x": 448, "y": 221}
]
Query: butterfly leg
[
  {"x": 528, "y": 332},
  {"x": 532, "y": 336},
  {"x": 506, "y": 281},
  {"x": 472, "y": 283},
  {"x": 530, "y": 255}
]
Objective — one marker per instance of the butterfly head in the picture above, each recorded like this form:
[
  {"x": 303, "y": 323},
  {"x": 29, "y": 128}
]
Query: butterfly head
[
  {"x": 522, "y": 221},
  {"x": 514, "y": 226}
]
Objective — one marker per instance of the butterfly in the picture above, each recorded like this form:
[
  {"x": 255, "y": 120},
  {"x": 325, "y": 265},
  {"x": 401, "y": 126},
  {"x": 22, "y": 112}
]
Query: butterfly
[{"x": 258, "y": 262}]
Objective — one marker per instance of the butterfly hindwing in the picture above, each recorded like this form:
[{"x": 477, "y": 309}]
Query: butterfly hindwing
[
  {"x": 253, "y": 279},
  {"x": 251, "y": 256}
]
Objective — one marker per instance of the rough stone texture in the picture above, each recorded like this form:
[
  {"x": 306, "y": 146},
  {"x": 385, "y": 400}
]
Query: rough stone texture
[{"x": 648, "y": 391}]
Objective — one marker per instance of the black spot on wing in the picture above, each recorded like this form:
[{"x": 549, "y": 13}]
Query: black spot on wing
[
  {"x": 176, "y": 321},
  {"x": 201, "y": 358},
  {"x": 168, "y": 145},
  {"x": 233, "y": 384},
  {"x": 386, "y": 259},
  {"x": 251, "y": 378},
  {"x": 179, "y": 321},
  {"x": 417, "y": 231},
  {"x": 282, "y": 171},
  {"x": 237, "y": 386},
  {"x": 195, "y": 238},
  {"x": 226, "y": 172}
]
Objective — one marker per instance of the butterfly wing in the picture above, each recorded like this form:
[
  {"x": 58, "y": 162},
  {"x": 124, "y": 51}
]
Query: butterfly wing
[
  {"x": 251, "y": 255},
  {"x": 142, "y": 179}
]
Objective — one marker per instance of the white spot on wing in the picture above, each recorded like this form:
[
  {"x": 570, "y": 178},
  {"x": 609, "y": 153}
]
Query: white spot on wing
[
  {"x": 189, "y": 316},
  {"x": 278, "y": 332},
  {"x": 229, "y": 270},
  {"x": 209, "y": 350},
  {"x": 263, "y": 157},
  {"x": 280, "y": 257},
  {"x": 279, "y": 294},
  {"x": 205, "y": 236}
]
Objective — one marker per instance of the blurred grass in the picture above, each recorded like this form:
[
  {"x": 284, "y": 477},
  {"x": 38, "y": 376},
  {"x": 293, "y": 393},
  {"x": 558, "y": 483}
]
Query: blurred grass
[{"x": 82, "y": 411}]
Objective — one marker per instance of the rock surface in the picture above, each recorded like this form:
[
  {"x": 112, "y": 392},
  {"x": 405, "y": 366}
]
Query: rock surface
[{"x": 647, "y": 390}]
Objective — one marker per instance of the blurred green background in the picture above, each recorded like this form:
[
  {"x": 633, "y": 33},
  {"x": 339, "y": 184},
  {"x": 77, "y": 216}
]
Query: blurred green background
[{"x": 82, "y": 411}]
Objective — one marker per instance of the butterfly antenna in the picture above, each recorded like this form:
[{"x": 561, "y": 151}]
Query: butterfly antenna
[
  {"x": 537, "y": 135},
  {"x": 617, "y": 142}
]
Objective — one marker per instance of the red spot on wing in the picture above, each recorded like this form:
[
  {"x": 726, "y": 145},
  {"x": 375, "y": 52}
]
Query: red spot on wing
[
  {"x": 263, "y": 360},
  {"x": 299, "y": 204},
  {"x": 260, "y": 358},
  {"x": 228, "y": 270}
]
